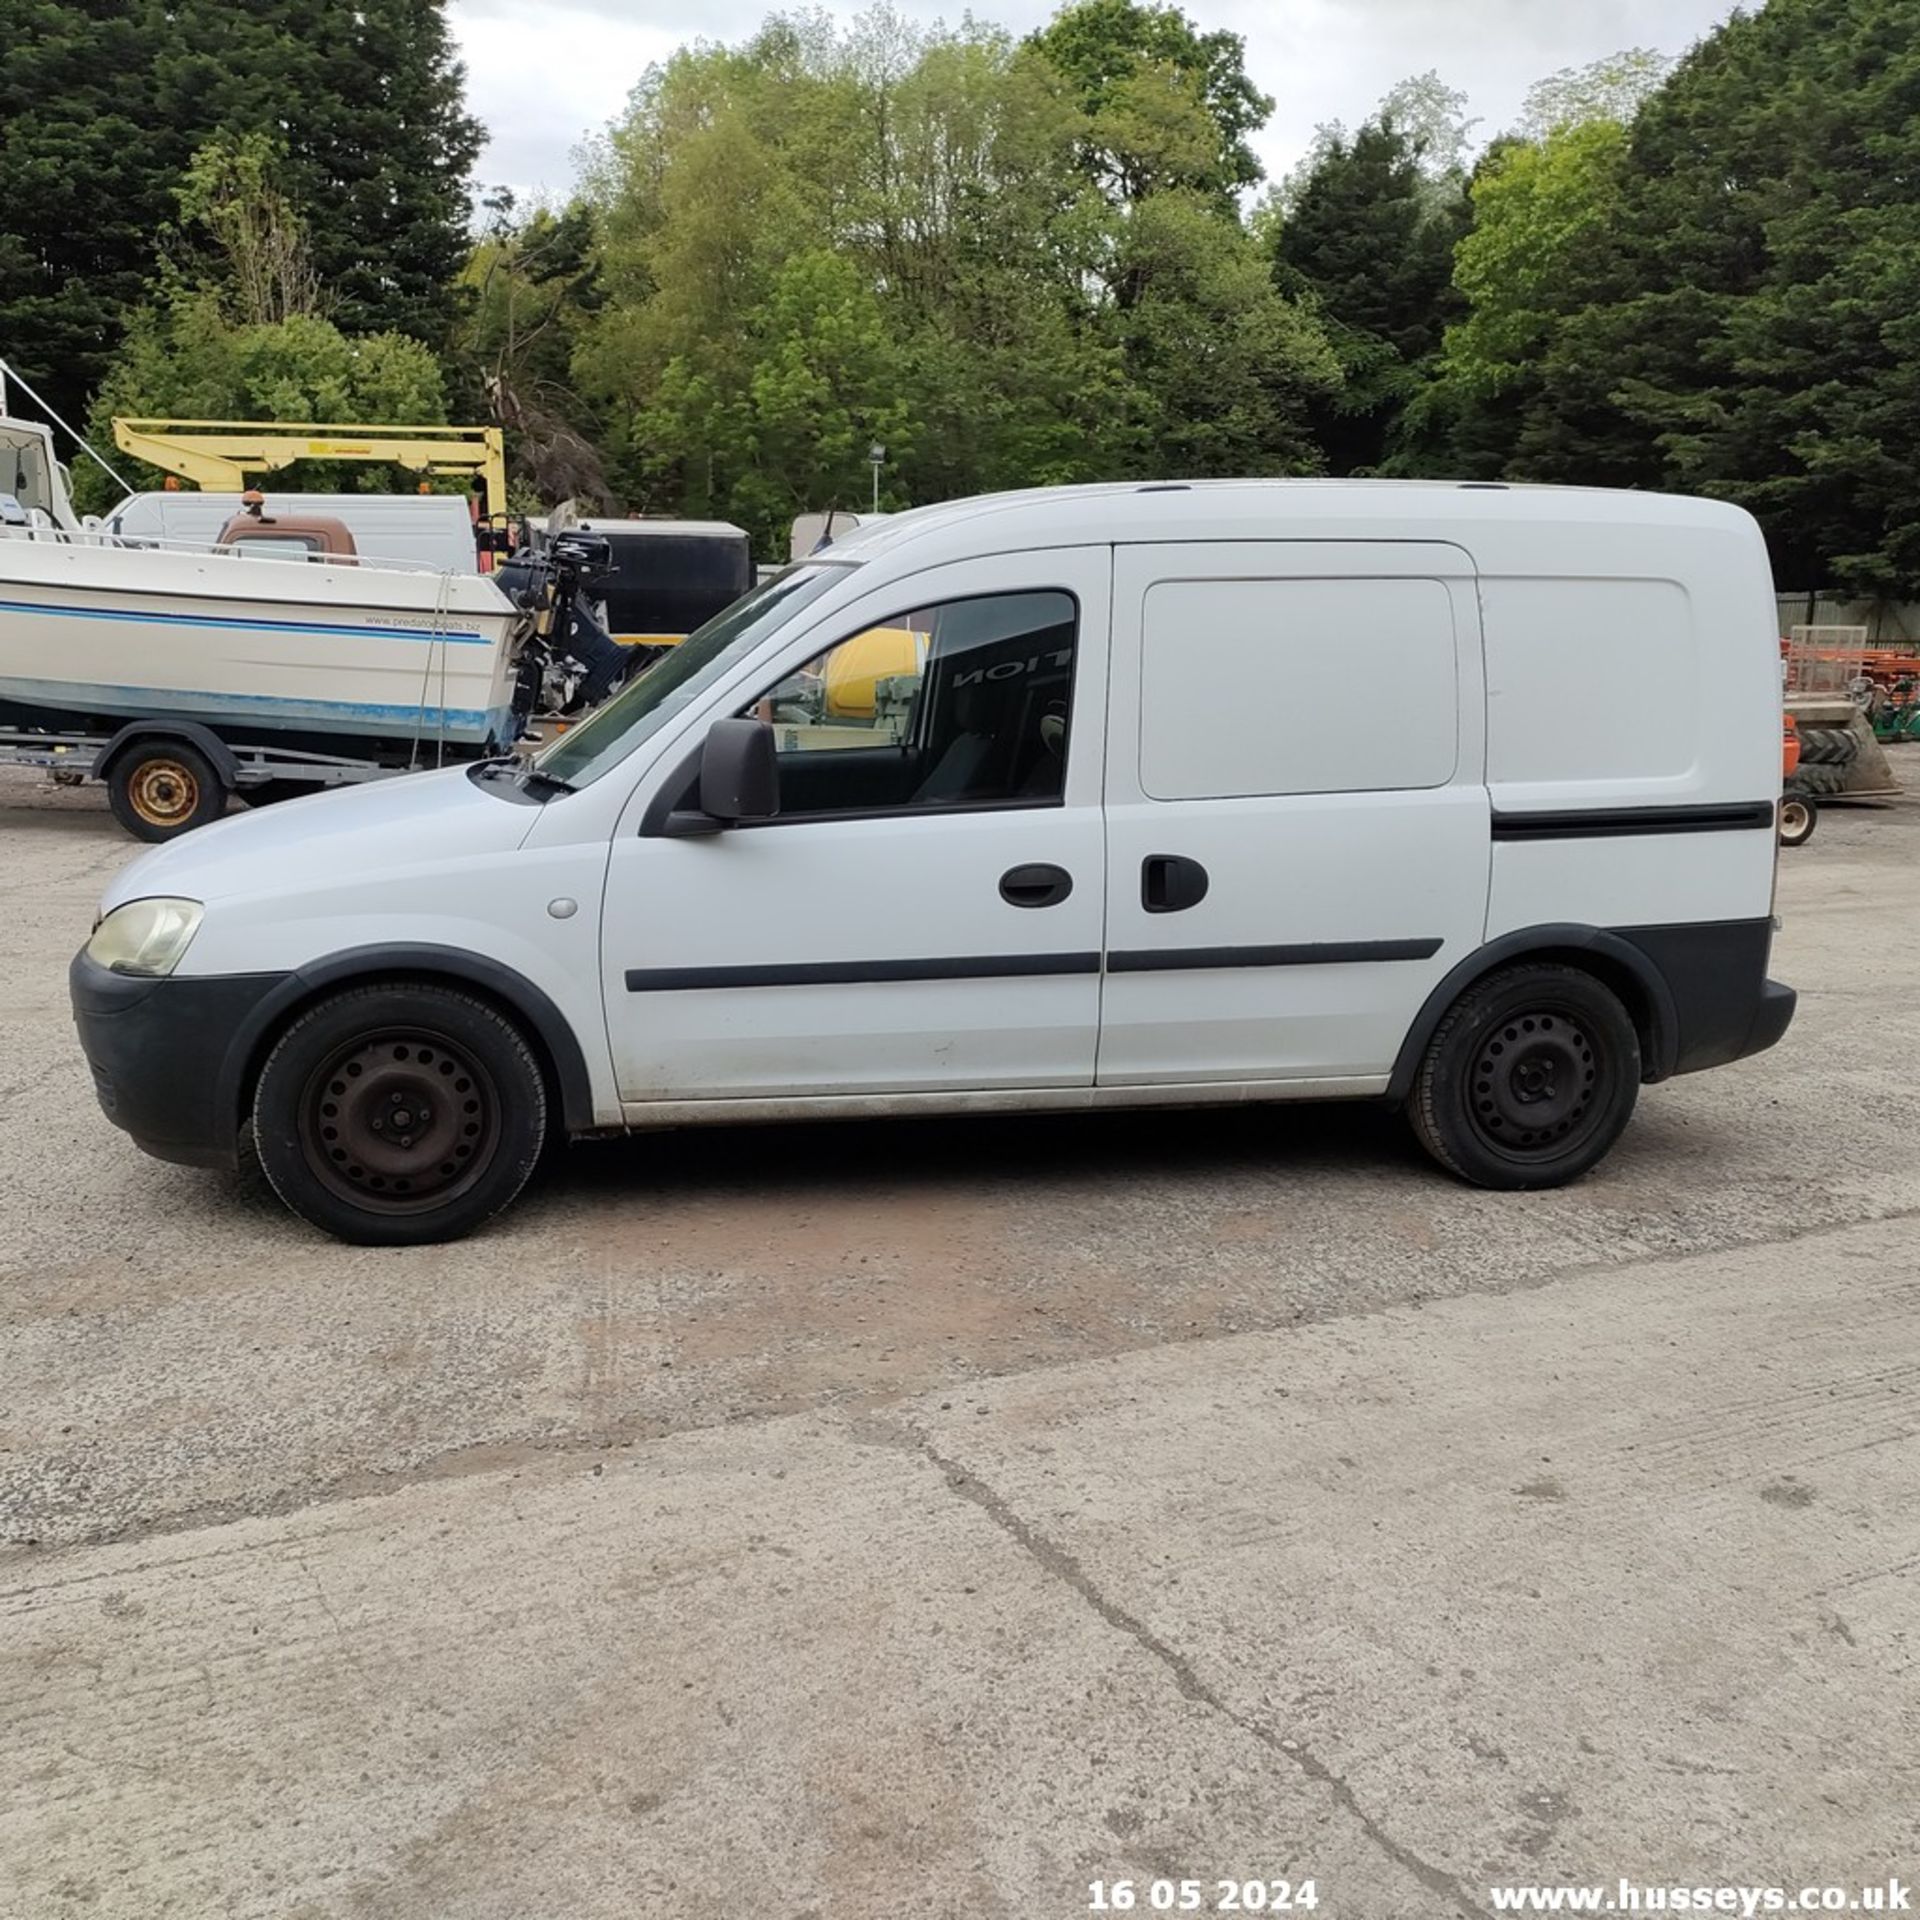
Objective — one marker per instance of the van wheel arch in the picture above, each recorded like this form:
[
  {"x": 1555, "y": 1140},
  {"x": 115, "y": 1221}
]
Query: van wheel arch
[
  {"x": 1615, "y": 963},
  {"x": 548, "y": 1035}
]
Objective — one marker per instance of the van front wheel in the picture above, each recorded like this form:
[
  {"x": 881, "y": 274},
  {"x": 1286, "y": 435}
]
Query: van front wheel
[
  {"x": 1529, "y": 1079},
  {"x": 399, "y": 1115}
]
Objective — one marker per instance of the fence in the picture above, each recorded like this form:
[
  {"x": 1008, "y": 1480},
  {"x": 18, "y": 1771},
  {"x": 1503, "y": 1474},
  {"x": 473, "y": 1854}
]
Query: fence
[{"x": 1887, "y": 623}]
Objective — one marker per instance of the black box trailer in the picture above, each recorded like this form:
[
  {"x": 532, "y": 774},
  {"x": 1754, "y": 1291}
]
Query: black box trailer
[{"x": 667, "y": 577}]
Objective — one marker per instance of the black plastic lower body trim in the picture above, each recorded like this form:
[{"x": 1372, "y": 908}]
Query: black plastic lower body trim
[
  {"x": 1724, "y": 1006},
  {"x": 1610, "y": 823},
  {"x": 1323, "y": 953},
  {"x": 171, "y": 1058},
  {"x": 860, "y": 973},
  {"x": 1698, "y": 991},
  {"x": 1012, "y": 966},
  {"x": 154, "y": 1048}
]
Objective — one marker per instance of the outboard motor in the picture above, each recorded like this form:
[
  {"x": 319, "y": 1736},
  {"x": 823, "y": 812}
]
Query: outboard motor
[{"x": 555, "y": 585}]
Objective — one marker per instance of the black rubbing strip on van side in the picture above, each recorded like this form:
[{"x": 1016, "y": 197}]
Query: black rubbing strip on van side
[
  {"x": 1326, "y": 953},
  {"x": 859, "y": 973},
  {"x": 1594, "y": 823}
]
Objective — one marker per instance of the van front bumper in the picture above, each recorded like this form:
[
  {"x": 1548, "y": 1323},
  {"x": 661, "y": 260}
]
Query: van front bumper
[{"x": 161, "y": 1053}]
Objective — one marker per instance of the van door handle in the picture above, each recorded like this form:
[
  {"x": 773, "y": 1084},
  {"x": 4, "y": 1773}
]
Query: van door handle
[
  {"x": 1171, "y": 883},
  {"x": 1035, "y": 886}
]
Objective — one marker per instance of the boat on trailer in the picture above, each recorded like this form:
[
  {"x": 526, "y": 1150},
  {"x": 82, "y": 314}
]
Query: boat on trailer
[
  {"x": 318, "y": 646},
  {"x": 253, "y": 666}
]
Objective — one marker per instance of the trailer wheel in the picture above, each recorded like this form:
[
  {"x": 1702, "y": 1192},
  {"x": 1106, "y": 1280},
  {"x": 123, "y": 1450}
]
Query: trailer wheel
[
  {"x": 399, "y": 1115},
  {"x": 1798, "y": 818},
  {"x": 159, "y": 788},
  {"x": 1528, "y": 1080}
]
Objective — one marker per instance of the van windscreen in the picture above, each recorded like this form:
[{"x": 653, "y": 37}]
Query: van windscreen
[{"x": 583, "y": 753}]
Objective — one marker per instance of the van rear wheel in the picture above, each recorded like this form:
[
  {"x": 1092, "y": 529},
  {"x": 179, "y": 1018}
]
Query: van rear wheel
[
  {"x": 399, "y": 1115},
  {"x": 1528, "y": 1080}
]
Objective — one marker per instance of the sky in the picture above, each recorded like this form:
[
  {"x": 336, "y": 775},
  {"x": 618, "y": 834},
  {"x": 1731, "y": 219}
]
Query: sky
[{"x": 541, "y": 92}]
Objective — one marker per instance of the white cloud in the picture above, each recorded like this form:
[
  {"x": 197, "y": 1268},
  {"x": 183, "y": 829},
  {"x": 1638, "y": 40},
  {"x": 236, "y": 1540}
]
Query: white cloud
[{"x": 541, "y": 93}]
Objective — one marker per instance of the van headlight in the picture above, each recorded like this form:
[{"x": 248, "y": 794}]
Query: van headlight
[{"x": 148, "y": 937}]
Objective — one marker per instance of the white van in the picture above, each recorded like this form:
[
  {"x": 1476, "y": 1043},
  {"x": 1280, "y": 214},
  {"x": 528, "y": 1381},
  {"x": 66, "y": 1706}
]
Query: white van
[
  {"x": 1457, "y": 797},
  {"x": 423, "y": 529}
]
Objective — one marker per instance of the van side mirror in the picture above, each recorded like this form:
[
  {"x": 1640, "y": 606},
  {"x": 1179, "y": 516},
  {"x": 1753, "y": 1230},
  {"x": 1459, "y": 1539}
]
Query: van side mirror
[{"x": 739, "y": 772}]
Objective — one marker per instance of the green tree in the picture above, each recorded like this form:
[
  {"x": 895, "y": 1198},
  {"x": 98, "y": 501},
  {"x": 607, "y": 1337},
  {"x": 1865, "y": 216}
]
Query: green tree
[
  {"x": 87, "y": 173},
  {"x": 1719, "y": 298},
  {"x": 824, "y": 384},
  {"x": 939, "y": 170},
  {"x": 1434, "y": 119},
  {"x": 816, "y": 241},
  {"x": 1763, "y": 348},
  {"x": 253, "y": 240},
  {"x": 532, "y": 288},
  {"x": 366, "y": 98},
  {"x": 104, "y": 102},
  {"x": 1430, "y": 115},
  {"x": 1221, "y": 370},
  {"x": 1615, "y": 88},
  {"x": 1539, "y": 253},
  {"x": 184, "y": 356},
  {"x": 1369, "y": 237},
  {"x": 1165, "y": 105}
]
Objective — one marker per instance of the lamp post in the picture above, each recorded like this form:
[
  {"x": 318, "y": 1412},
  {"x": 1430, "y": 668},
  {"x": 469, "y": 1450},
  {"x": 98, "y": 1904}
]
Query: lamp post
[{"x": 876, "y": 458}]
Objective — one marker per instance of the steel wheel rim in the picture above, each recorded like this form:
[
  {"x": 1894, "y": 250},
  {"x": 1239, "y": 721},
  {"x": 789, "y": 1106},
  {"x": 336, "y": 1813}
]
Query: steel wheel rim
[
  {"x": 399, "y": 1121},
  {"x": 163, "y": 792},
  {"x": 1793, "y": 818},
  {"x": 1535, "y": 1086}
]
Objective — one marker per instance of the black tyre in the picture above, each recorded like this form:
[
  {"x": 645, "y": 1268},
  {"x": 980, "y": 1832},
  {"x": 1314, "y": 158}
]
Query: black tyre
[
  {"x": 1828, "y": 746},
  {"x": 1529, "y": 1079},
  {"x": 399, "y": 1115},
  {"x": 159, "y": 789},
  {"x": 1818, "y": 780},
  {"x": 1798, "y": 818}
]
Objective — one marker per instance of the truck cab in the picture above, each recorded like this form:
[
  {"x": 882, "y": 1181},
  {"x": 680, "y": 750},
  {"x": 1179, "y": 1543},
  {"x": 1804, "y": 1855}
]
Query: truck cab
[{"x": 285, "y": 536}]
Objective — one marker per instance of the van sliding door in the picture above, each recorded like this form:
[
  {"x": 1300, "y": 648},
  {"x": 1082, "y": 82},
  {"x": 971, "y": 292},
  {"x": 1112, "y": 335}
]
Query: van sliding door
[{"x": 1297, "y": 814}]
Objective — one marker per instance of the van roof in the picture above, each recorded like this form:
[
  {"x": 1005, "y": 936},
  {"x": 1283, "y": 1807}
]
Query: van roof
[
  {"x": 286, "y": 500},
  {"x": 1276, "y": 509}
]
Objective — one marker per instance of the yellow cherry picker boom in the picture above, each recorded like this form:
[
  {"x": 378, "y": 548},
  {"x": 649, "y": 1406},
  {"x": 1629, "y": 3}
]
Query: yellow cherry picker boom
[{"x": 225, "y": 456}]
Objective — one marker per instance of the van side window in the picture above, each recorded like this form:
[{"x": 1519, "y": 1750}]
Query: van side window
[
  {"x": 964, "y": 704},
  {"x": 1253, "y": 687}
]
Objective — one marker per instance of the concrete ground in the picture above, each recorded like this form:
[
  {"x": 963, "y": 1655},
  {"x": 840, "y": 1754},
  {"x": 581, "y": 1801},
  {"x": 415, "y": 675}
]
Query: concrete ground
[{"x": 932, "y": 1520}]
